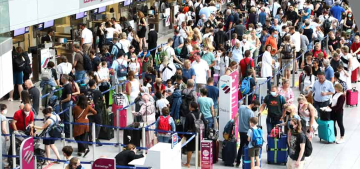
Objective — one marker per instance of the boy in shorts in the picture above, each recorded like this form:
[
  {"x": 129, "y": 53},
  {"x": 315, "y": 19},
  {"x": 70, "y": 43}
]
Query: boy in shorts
[{"x": 254, "y": 152}]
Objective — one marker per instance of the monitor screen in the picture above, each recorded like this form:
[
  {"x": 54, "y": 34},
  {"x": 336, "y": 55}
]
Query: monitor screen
[
  {"x": 41, "y": 26},
  {"x": 19, "y": 31},
  {"x": 102, "y": 9},
  {"x": 80, "y": 15},
  {"x": 127, "y": 2},
  {"x": 26, "y": 29},
  {"x": 49, "y": 24}
]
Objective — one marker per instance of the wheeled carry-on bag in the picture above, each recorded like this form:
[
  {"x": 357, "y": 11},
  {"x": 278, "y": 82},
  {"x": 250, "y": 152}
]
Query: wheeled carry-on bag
[
  {"x": 215, "y": 144},
  {"x": 352, "y": 97},
  {"x": 354, "y": 75},
  {"x": 246, "y": 161},
  {"x": 229, "y": 152},
  {"x": 326, "y": 130},
  {"x": 277, "y": 149},
  {"x": 107, "y": 133}
]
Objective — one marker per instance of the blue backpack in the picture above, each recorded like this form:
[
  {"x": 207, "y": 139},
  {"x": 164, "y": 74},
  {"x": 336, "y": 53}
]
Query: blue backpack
[
  {"x": 257, "y": 139},
  {"x": 245, "y": 85},
  {"x": 121, "y": 70}
]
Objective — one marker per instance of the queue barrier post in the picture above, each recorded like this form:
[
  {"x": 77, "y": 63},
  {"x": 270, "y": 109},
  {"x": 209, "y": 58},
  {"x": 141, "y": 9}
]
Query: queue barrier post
[
  {"x": 93, "y": 139},
  {"x": 293, "y": 73},
  {"x": 143, "y": 138},
  {"x": 13, "y": 150},
  {"x": 197, "y": 151},
  {"x": 71, "y": 120},
  {"x": 117, "y": 128},
  {"x": 35, "y": 162},
  {"x": 246, "y": 99}
]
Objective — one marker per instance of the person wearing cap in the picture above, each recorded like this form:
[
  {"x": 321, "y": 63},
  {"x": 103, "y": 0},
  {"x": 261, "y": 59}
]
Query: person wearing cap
[
  {"x": 86, "y": 39},
  {"x": 336, "y": 11}
]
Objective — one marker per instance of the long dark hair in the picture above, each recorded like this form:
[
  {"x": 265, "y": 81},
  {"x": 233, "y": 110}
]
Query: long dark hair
[
  {"x": 82, "y": 102},
  {"x": 25, "y": 96}
]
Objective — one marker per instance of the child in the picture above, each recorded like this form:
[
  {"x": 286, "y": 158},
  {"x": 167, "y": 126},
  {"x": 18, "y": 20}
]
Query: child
[
  {"x": 164, "y": 122},
  {"x": 169, "y": 85},
  {"x": 67, "y": 152},
  {"x": 134, "y": 65},
  {"x": 160, "y": 103},
  {"x": 106, "y": 56},
  {"x": 254, "y": 152}
]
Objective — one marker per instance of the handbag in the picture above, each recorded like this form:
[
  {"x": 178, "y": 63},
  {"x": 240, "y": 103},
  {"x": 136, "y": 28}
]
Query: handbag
[{"x": 56, "y": 129}]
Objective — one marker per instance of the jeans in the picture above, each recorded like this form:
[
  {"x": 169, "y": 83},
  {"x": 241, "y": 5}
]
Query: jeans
[
  {"x": 66, "y": 117},
  {"x": 80, "y": 75},
  {"x": 318, "y": 105},
  {"x": 210, "y": 122},
  {"x": 243, "y": 142},
  {"x": 163, "y": 138},
  {"x": 271, "y": 123}
]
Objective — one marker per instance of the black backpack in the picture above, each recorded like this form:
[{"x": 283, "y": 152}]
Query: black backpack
[
  {"x": 308, "y": 147},
  {"x": 327, "y": 25},
  {"x": 186, "y": 100},
  {"x": 120, "y": 50},
  {"x": 87, "y": 62},
  {"x": 19, "y": 62},
  {"x": 184, "y": 53},
  {"x": 287, "y": 51},
  {"x": 248, "y": 66}
]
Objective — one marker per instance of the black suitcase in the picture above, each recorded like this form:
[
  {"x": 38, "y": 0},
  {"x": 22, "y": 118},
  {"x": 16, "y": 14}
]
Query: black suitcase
[
  {"x": 107, "y": 133},
  {"x": 132, "y": 136},
  {"x": 229, "y": 152}
]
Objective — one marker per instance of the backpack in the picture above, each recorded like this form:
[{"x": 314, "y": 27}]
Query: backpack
[
  {"x": 343, "y": 84},
  {"x": 121, "y": 69},
  {"x": 308, "y": 147},
  {"x": 287, "y": 51},
  {"x": 327, "y": 25},
  {"x": 228, "y": 130},
  {"x": 119, "y": 49},
  {"x": 56, "y": 129},
  {"x": 199, "y": 124},
  {"x": 247, "y": 67},
  {"x": 19, "y": 62},
  {"x": 46, "y": 74},
  {"x": 162, "y": 55},
  {"x": 257, "y": 140},
  {"x": 184, "y": 53},
  {"x": 167, "y": 66},
  {"x": 186, "y": 100},
  {"x": 245, "y": 85},
  {"x": 87, "y": 63},
  {"x": 164, "y": 124}
]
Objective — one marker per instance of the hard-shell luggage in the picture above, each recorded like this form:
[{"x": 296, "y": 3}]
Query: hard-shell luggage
[
  {"x": 246, "y": 161},
  {"x": 354, "y": 75},
  {"x": 277, "y": 150},
  {"x": 106, "y": 132},
  {"x": 229, "y": 152},
  {"x": 132, "y": 136},
  {"x": 119, "y": 101},
  {"x": 215, "y": 151},
  {"x": 352, "y": 97},
  {"x": 326, "y": 130}
]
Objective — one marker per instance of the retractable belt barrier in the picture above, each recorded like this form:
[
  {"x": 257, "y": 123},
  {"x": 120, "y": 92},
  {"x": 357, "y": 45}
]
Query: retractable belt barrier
[{"x": 56, "y": 90}]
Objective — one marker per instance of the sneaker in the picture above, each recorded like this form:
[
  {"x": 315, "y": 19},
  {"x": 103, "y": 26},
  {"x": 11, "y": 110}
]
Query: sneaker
[
  {"x": 10, "y": 99},
  {"x": 340, "y": 141}
]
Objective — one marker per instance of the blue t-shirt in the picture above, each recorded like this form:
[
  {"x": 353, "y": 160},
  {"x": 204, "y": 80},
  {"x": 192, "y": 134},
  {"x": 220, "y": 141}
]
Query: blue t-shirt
[
  {"x": 336, "y": 12},
  {"x": 329, "y": 73},
  {"x": 244, "y": 116},
  {"x": 307, "y": 10},
  {"x": 213, "y": 92},
  {"x": 262, "y": 18},
  {"x": 188, "y": 73},
  {"x": 205, "y": 104},
  {"x": 228, "y": 21}
]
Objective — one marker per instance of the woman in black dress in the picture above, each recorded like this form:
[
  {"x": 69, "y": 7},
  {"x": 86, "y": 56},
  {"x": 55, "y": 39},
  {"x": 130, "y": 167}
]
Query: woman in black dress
[
  {"x": 190, "y": 127},
  {"x": 141, "y": 29},
  {"x": 101, "y": 32}
]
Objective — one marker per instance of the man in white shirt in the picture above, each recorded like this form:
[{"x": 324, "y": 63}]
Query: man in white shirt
[
  {"x": 296, "y": 40},
  {"x": 86, "y": 39},
  {"x": 170, "y": 53},
  {"x": 202, "y": 71},
  {"x": 116, "y": 25},
  {"x": 237, "y": 53},
  {"x": 167, "y": 70},
  {"x": 183, "y": 30}
]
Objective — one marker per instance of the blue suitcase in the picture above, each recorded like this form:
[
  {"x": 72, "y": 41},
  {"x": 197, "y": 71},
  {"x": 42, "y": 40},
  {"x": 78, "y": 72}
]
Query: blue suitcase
[
  {"x": 326, "y": 130},
  {"x": 277, "y": 150},
  {"x": 229, "y": 152},
  {"x": 246, "y": 159}
]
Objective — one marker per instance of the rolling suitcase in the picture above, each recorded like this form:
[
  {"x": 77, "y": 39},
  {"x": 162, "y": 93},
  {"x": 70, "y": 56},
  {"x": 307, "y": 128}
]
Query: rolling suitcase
[
  {"x": 354, "y": 75},
  {"x": 326, "y": 130},
  {"x": 246, "y": 158},
  {"x": 107, "y": 133},
  {"x": 352, "y": 97},
  {"x": 119, "y": 101},
  {"x": 132, "y": 136},
  {"x": 277, "y": 149},
  {"x": 229, "y": 152}
]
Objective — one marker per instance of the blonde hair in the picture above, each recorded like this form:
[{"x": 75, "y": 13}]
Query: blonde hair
[
  {"x": 208, "y": 44},
  {"x": 197, "y": 34},
  {"x": 292, "y": 109},
  {"x": 339, "y": 87},
  {"x": 123, "y": 35}
]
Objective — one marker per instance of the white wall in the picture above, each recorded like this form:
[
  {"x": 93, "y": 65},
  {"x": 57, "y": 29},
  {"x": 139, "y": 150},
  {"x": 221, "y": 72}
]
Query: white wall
[
  {"x": 6, "y": 76},
  {"x": 24, "y": 13}
]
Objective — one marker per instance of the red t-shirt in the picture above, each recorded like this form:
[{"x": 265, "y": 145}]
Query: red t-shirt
[
  {"x": 19, "y": 117},
  {"x": 245, "y": 62},
  {"x": 156, "y": 89},
  {"x": 355, "y": 46},
  {"x": 316, "y": 52}
]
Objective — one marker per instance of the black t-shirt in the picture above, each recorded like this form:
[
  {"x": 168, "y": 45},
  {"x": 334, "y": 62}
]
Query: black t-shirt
[
  {"x": 66, "y": 90},
  {"x": 294, "y": 148},
  {"x": 335, "y": 64},
  {"x": 125, "y": 157},
  {"x": 35, "y": 97},
  {"x": 275, "y": 106},
  {"x": 315, "y": 72},
  {"x": 308, "y": 33},
  {"x": 96, "y": 94},
  {"x": 335, "y": 43},
  {"x": 292, "y": 16}
]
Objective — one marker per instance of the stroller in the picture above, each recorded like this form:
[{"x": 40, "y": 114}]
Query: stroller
[{"x": 38, "y": 152}]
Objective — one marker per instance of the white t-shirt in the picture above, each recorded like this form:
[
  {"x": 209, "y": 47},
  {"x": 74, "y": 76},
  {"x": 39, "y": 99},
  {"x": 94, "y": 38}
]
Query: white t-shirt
[
  {"x": 181, "y": 17},
  {"x": 64, "y": 68},
  {"x": 103, "y": 73},
  {"x": 183, "y": 33},
  {"x": 110, "y": 32},
  {"x": 87, "y": 35},
  {"x": 161, "y": 103},
  {"x": 296, "y": 40},
  {"x": 133, "y": 66},
  {"x": 126, "y": 44},
  {"x": 118, "y": 28},
  {"x": 201, "y": 70},
  {"x": 169, "y": 53},
  {"x": 166, "y": 72}
]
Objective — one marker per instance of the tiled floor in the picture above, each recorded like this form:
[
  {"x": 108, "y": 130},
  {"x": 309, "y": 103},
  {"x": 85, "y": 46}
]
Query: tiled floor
[{"x": 324, "y": 156}]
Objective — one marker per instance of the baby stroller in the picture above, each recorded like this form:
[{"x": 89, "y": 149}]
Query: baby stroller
[{"x": 38, "y": 152}]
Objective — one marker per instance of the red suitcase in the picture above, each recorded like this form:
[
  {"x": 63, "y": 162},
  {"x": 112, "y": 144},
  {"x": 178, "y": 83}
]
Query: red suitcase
[
  {"x": 352, "y": 97},
  {"x": 215, "y": 151},
  {"x": 354, "y": 75}
]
